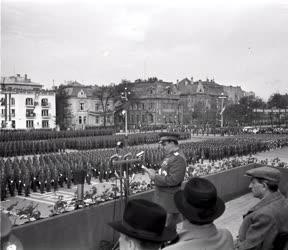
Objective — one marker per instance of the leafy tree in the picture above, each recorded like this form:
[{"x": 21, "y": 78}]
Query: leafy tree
[
  {"x": 105, "y": 94},
  {"x": 278, "y": 101},
  {"x": 63, "y": 113}
]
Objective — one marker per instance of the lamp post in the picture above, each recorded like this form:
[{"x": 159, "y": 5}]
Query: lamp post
[
  {"x": 222, "y": 97},
  {"x": 124, "y": 95}
]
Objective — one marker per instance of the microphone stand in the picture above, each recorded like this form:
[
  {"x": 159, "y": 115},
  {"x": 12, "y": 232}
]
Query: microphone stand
[{"x": 125, "y": 178}]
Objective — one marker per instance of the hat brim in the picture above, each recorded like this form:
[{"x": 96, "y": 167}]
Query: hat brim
[
  {"x": 192, "y": 213},
  {"x": 166, "y": 235}
]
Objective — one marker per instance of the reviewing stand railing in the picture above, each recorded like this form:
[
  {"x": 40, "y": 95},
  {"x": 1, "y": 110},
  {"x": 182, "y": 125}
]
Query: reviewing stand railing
[{"x": 87, "y": 228}]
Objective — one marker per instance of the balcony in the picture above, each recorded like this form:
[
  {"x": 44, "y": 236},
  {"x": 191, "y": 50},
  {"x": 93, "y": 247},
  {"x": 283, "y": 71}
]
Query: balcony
[
  {"x": 45, "y": 105},
  {"x": 12, "y": 115},
  {"x": 46, "y": 116},
  {"x": 30, "y": 104},
  {"x": 30, "y": 115}
]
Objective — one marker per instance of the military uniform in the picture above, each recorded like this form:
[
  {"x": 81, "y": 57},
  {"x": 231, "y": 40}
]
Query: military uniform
[{"x": 169, "y": 179}]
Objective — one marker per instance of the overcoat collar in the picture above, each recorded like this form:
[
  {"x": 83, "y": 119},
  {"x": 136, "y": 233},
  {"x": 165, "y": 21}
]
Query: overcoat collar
[
  {"x": 265, "y": 201},
  {"x": 192, "y": 231}
]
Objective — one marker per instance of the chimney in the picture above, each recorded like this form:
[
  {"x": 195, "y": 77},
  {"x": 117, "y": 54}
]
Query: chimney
[{"x": 25, "y": 77}]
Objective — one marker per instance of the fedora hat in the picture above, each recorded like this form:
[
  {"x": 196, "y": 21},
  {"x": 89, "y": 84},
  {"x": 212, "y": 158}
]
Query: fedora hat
[
  {"x": 198, "y": 202},
  {"x": 144, "y": 220}
]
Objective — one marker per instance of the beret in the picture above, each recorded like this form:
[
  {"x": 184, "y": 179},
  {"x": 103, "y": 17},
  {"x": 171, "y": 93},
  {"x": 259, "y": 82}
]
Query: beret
[
  {"x": 267, "y": 173},
  {"x": 166, "y": 136}
]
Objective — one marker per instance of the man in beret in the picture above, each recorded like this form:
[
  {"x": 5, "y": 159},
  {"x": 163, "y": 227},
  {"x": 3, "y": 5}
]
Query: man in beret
[
  {"x": 170, "y": 177},
  {"x": 269, "y": 218}
]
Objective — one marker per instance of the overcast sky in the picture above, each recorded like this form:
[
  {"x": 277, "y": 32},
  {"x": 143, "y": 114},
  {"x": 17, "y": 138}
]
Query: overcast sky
[{"x": 236, "y": 42}]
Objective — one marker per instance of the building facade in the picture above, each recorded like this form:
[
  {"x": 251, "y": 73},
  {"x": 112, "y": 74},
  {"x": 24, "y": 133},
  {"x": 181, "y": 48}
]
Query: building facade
[
  {"x": 26, "y": 105},
  {"x": 154, "y": 103},
  {"x": 86, "y": 107},
  {"x": 204, "y": 100}
]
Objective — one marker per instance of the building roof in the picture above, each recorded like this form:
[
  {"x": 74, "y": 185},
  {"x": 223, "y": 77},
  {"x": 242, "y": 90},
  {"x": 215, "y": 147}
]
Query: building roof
[{"x": 19, "y": 81}]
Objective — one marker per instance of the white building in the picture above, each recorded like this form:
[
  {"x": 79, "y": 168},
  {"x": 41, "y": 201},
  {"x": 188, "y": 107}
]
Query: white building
[{"x": 25, "y": 105}]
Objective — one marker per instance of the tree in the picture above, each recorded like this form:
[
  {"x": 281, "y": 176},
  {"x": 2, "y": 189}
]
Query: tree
[
  {"x": 278, "y": 101},
  {"x": 105, "y": 94},
  {"x": 63, "y": 112}
]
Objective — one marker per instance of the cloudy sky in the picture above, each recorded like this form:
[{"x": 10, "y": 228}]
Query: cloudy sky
[{"x": 236, "y": 42}]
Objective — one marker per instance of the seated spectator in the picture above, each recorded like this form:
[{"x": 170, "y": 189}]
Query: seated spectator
[
  {"x": 200, "y": 206},
  {"x": 267, "y": 219},
  {"x": 143, "y": 226},
  {"x": 8, "y": 240}
]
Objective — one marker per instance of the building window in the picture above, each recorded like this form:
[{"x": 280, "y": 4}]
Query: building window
[
  {"x": 84, "y": 119},
  {"x": 29, "y": 101},
  {"x": 96, "y": 107},
  {"x": 80, "y": 119},
  {"x": 2, "y": 101},
  {"x": 29, "y": 124},
  {"x": 45, "y": 112},
  {"x": 2, "y": 112},
  {"x": 12, "y": 101},
  {"x": 13, "y": 124},
  {"x": 13, "y": 112},
  {"x": 150, "y": 118},
  {"x": 45, "y": 124},
  {"x": 44, "y": 102},
  {"x": 97, "y": 119},
  {"x": 82, "y": 106},
  {"x": 2, "y": 124},
  {"x": 30, "y": 113}
]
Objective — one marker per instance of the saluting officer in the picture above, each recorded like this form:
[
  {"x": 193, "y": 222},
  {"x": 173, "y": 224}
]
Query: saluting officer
[{"x": 170, "y": 176}]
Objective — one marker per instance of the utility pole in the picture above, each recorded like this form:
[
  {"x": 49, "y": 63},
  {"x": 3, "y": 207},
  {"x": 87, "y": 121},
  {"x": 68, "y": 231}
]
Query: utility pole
[
  {"x": 222, "y": 97},
  {"x": 124, "y": 95}
]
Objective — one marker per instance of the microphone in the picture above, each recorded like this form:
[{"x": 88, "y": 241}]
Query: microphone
[
  {"x": 114, "y": 157},
  {"x": 127, "y": 156},
  {"x": 140, "y": 154}
]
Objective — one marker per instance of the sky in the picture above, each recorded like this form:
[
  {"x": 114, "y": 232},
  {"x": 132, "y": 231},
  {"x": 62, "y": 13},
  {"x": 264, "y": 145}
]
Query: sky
[{"x": 235, "y": 42}]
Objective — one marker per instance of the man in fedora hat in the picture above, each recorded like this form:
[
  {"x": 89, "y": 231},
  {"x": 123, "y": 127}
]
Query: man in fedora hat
[
  {"x": 143, "y": 226},
  {"x": 8, "y": 240},
  {"x": 170, "y": 176},
  {"x": 267, "y": 219},
  {"x": 200, "y": 206}
]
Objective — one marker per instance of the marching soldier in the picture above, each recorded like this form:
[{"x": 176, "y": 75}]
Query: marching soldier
[
  {"x": 170, "y": 177},
  {"x": 9, "y": 172},
  {"x": 3, "y": 182},
  {"x": 41, "y": 179}
]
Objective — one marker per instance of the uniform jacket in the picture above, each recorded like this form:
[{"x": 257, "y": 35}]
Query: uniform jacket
[
  {"x": 168, "y": 180},
  {"x": 205, "y": 237},
  {"x": 263, "y": 222}
]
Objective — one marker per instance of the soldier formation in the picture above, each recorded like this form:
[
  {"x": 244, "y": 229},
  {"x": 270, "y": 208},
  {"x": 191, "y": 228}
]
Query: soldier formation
[{"x": 47, "y": 172}]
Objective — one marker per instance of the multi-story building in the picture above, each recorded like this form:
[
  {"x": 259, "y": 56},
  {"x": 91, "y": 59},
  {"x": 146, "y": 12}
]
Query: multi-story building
[
  {"x": 26, "y": 105},
  {"x": 85, "y": 107},
  {"x": 154, "y": 103},
  {"x": 205, "y": 98}
]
